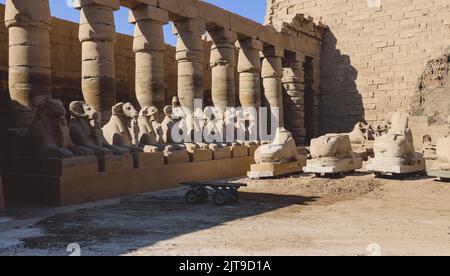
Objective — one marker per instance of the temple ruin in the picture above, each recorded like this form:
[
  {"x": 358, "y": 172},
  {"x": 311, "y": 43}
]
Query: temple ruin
[
  {"x": 241, "y": 63},
  {"x": 96, "y": 107}
]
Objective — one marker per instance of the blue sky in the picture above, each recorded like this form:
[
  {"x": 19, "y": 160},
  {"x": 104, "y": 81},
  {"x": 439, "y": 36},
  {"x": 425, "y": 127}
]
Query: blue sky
[{"x": 253, "y": 9}]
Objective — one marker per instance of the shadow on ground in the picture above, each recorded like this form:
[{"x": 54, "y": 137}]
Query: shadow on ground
[{"x": 144, "y": 220}]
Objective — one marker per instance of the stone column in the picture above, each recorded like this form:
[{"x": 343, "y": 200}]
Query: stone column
[
  {"x": 272, "y": 72},
  {"x": 98, "y": 36},
  {"x": 223, "y": 67},
  {"x": 190, "y": 58},
  {"x": 249, "y": 69},
  {"x": 294, "y": 103},
  {"x": 28, "y": 23},
  {"x": 149, "y": 46}
]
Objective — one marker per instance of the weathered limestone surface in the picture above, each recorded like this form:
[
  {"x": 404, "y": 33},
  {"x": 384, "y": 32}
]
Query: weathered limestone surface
[
  {"x": 395, "y": 152},
  {"x": 98, "y": 36},
  {"x": 48, "y": 134},
  {"x": 85, "y": 130},
  {"x": 122, "y": 130},
  {"x": 294, "y": 102},
  {"x": 280, "y": 157},
  {"x": 28, "y": 23},
  {"x": 149, "y": 47},
  {"x": 332, "y": 154},
  {"x": 272, "y": 72},
  {"x": 283, "y": 149},
  {"x": 441, "y": 167},
  {"x": 190, "y": 55},
  {"x": 259, "y": 171},
  {"x": 367, "y": 69},
  {"x": 90, "y": 186},
  {"x": 249, "y": 69},
  {"x": 223, "y": 63}
]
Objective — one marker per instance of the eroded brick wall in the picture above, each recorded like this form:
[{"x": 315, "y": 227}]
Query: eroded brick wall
[{"x": 372, "y": 55}]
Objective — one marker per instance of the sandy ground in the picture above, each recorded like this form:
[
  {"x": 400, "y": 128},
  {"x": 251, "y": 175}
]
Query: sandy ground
[{"x": 356, "y": 215}]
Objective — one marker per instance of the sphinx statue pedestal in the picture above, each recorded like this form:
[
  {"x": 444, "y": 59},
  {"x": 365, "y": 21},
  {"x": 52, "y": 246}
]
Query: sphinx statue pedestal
[
  {"x": 396, "y": 166},
  {"x": 271, "y": 170},
  {"x": 441, "y": 167},
  {"x": 332, "y": 154},
  {"x": 280, "y": 157},
  {"x": 200, "y": 155},
  {"x": 51, "y": 181},
  {"x": 239, "y": 151},
  {"x": 394, "y": 152},
  {"x": 220, "y": 152},
  {"x": 176, "y": 157}
]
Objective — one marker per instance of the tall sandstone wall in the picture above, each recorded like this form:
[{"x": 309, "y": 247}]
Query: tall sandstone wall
[
  {"x": 66, "y": 64},
  {"x": 373, "y": 53}
]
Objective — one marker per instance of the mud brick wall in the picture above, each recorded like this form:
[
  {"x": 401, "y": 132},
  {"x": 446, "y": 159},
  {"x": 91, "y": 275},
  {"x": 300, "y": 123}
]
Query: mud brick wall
[
  {"x": 66, "y": 64},
  {"x": 373, "y": 53}
]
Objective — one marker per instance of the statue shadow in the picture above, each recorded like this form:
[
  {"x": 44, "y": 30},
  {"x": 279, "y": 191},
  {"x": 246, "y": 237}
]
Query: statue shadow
[{"x": 145, "y": 220}]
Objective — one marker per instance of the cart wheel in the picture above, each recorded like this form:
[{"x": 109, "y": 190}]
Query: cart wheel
[
  {"x": 220, "y": 198},
  {"x": 192, "y": 197},
  {"x": 202, "y": 194},
  {"x": 233, "y": 196}
]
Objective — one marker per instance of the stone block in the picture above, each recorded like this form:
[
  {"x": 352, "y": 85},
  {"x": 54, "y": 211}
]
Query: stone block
[
  {"x": 76, "y": 166},
  {"x": 148, "y": 13},
  {"x": 442, "y": 174},
  {"x": 178, "y": 9},
  {"x": 243, "y": 26},
  {"x": 113, "y": 4},
  {"x": 239, "y": 151},
  {"x": 176, "y": 157},
  {"x": 258, "y": 171},
  {"x": 110, "y": 163},
  {"x": 252, "y": 149},
  {"x": 148, "y": 159},
  {"x": 201, "y": 155},
  {"x": 222, "y": 153},
  {"x": 213, "y": 16},
  {"x": 396, "y": 165},
  {"x": 63, "y": 191},
  {"x": 325, "y": 166}
]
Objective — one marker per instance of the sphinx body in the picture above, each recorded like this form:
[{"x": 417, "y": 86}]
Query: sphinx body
[
  {"x": 282, "y": 150},
  {"x": 85, "y": 130},
  {"x": 122, "y": 130},
  {"x": 332, "y": 154},
  {"x": 48, "y": 135},
  {"x": 394, "y": 151}
]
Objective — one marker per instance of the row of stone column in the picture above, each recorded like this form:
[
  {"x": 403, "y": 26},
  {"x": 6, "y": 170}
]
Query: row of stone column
[{"x": 29, "y": 24}]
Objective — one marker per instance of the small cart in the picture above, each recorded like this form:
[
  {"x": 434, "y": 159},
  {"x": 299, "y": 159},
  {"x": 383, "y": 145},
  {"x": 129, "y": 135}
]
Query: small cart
[{"x": 223, "y": 192}]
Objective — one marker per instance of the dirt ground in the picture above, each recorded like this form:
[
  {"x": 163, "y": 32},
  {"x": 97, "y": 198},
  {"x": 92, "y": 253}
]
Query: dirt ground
[{"x": 356, "y": 215}]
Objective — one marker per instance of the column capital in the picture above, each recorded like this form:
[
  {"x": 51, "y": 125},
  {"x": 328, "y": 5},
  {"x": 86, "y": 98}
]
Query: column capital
[
  {"x": 113, "y": 4},
  {"x": 188, "y": 26},
  {"x": 272, "y": 51},
  {"x": 222, "y": 36},
  {"x": 148, "y": 13},
  {"x": 27, "y": 13},
  {"x": 249, "y": 43}
]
